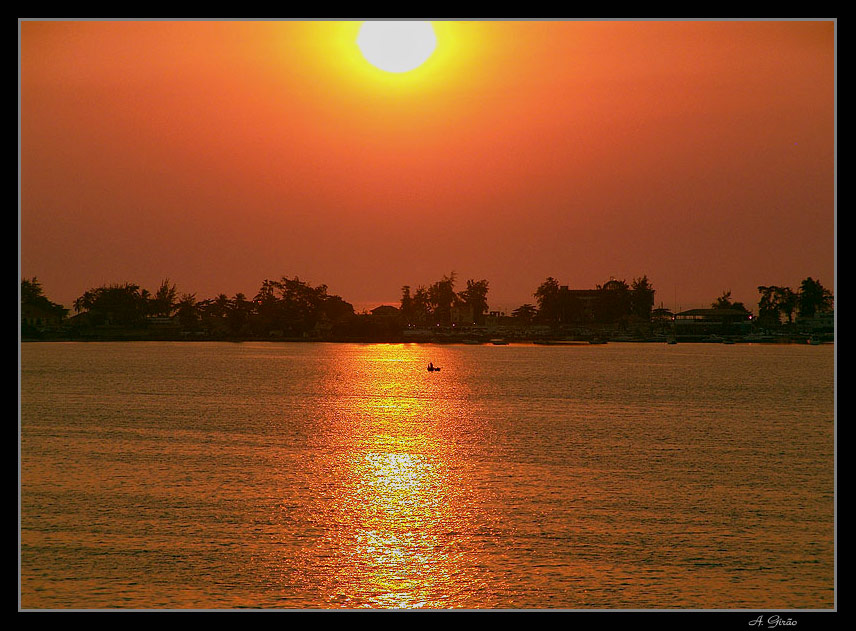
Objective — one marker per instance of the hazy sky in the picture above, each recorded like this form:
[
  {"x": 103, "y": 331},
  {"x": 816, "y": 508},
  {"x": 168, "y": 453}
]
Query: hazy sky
[{"x": 219, "y": 154}]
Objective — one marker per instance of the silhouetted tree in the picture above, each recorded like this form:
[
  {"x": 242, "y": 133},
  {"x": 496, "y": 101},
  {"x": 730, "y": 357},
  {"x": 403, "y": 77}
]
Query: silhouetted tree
[
  {"x": 547, "y": 297},
  {"x": 406, "y": 309},
  {"x": 220, "y": 306},
  {"x": 300, "y": 304},
  {"x": 33, "y": 301},
  {"x": 525, "y": 313},
  {"x": 421, "y": 306},
  {"x": 641, "y": 298},
  {"x": 814, "y": 298},
  {"x": 768, "y": 306},
  {"x": 165, "y": 300},
  {"x": 442, "y": 298},
  {"x": 187, "y": 312},
  {"x": 267, "y": 308},
  {"x": 336, "y": 310},
  {"x": 32, "y": 294},
  {"x": 475, "y": 298},
  {"x": 146, "y": 298},
  {"x": 723, "y": 302},
  {"x": 786, "y": 300},
  {"x": 123, "y": 304},
  {"x": 238, "y": 313},
  {"x": 31, "y": 291},
  {"x": 292, "y": 306}
]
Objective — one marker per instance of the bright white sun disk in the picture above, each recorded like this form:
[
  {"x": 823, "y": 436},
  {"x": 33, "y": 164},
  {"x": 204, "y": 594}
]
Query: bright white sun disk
[{"x": 397, "y": 46}]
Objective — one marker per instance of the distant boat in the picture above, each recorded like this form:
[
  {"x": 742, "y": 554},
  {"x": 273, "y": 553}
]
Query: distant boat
[
  {"x": 499, "y": 342},
  {"x": 432, "y": 367}
]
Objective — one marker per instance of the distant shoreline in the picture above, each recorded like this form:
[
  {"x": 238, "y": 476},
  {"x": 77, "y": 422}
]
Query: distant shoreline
[{"x": 550, "y": 343}]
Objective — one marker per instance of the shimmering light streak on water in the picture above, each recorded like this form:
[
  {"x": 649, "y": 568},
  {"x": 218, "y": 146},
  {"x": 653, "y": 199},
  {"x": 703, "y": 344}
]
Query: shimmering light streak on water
[{"x": 329, "y": 476}]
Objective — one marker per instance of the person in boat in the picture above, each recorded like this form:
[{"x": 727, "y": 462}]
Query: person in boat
[{"x": 430, "y": 365}]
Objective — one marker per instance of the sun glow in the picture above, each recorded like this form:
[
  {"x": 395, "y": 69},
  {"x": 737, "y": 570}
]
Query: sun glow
[
  {"x": 396, "y": 46},
  {"x": 395, "y": 486},
  {"x": 345, "y": 76}
]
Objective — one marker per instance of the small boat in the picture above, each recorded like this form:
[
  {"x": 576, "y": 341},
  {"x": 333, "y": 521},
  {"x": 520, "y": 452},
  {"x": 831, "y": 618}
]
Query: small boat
[
  {"x": 499, "y": 342},
  {"x": 432, "y": 367}
]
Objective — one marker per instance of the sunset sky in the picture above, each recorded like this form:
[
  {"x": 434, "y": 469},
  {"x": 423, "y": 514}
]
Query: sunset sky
[{"x": 219, "y": 154}]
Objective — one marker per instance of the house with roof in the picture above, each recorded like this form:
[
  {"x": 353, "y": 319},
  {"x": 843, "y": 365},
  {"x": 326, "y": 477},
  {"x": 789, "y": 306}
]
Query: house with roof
[
  {"x": 385, "y": 311},
  {"x": 713, "y": 322}
]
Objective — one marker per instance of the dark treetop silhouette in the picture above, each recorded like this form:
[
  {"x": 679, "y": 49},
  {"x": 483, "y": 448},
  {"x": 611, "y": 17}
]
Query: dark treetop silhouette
[{"x": 292, "y": 309}]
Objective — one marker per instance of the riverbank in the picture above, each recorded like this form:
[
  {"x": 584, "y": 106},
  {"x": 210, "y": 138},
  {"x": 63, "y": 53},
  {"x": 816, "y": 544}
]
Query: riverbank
[{"x": 441, "y": 339}]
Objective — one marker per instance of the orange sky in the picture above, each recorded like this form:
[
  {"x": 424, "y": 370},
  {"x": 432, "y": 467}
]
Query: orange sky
[{"x": 219, "y": 154}]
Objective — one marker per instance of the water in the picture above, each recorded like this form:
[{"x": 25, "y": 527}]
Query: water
[{"x": 625, "y": 476}]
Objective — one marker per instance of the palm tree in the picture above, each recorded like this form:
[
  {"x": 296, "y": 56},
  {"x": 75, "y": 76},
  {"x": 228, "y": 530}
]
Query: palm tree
[
  {"x": 165, "y": 300},
  {"x": 187, "y": 311},
  {"x": 642, "y": 298}
]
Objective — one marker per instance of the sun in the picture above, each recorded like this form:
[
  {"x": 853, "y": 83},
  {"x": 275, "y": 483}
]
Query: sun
[{"x": 397, "y": 46}]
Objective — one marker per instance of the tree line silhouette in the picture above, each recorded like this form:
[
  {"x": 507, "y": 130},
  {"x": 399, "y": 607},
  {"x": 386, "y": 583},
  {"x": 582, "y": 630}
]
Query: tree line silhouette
[
  {"x": 434, "y": 304},
  {"x": 614, "y": 302},
  {"x": 292, "y": 308},
  {"x": 778, "y": 302}
]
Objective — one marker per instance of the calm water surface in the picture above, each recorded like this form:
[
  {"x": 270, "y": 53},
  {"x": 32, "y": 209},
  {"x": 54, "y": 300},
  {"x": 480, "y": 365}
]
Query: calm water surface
[{"x": 207, "y": 475}]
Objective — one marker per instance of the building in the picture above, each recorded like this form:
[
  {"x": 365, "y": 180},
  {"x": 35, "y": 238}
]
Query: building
[
  {"x": 385, "y": 311},
  {"x": 818, "y": 323},
  {"x": 713, "y": 322}
]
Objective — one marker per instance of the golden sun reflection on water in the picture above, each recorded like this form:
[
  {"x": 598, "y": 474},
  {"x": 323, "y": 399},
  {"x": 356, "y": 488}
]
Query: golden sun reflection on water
[
  {"x": 347, "y": 476},
  {"x": 398, "y": 494}
]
